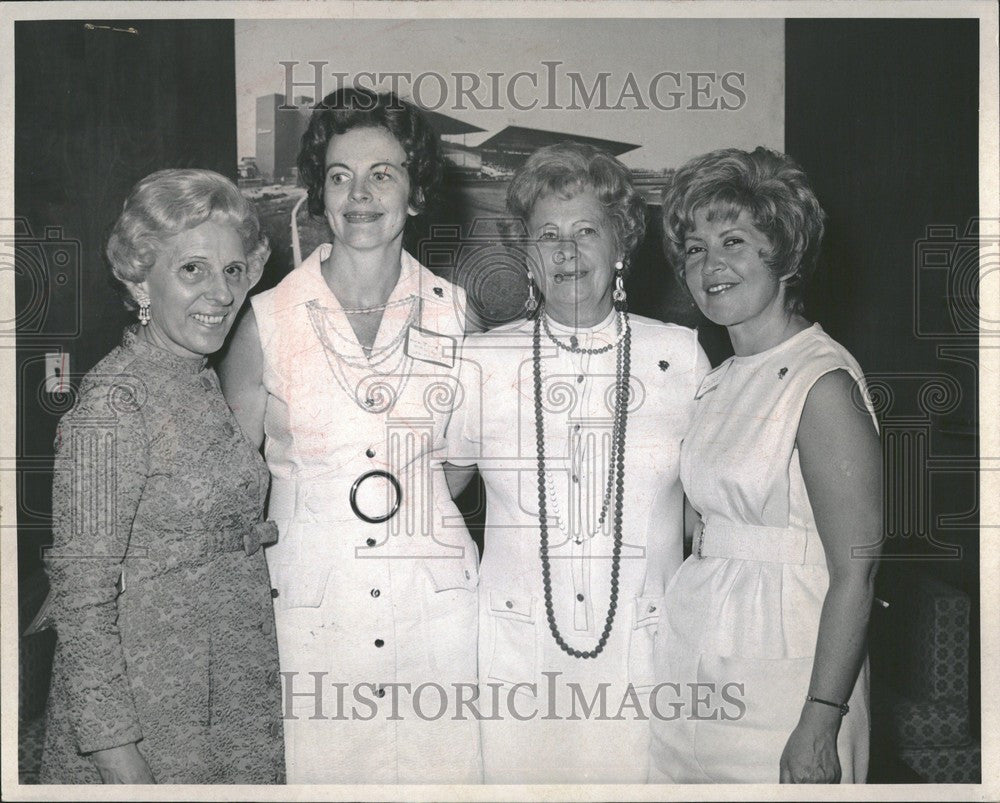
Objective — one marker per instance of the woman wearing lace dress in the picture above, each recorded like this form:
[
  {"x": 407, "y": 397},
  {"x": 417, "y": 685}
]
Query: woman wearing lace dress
[{"x": 166, "y": 667}]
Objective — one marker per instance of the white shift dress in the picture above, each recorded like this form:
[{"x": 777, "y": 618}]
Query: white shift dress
[
  {"x": 738, "y": 630},
  {"x": 534, "y": 697},
  {"x": 360, "y": 607}
]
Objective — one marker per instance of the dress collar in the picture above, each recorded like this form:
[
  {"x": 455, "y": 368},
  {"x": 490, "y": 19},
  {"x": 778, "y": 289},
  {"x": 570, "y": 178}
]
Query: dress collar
[
  {"x": 604, "y": 331},
  {"x": 145, "y": 350},
  {"x": 408, "y": 283}
]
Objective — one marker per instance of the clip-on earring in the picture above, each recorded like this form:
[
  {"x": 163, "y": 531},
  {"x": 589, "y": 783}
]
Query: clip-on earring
[
  {"x": 144, "y": 311},
  {"x": 618, "y": 295},
  {"x": 531, "y": 303}
]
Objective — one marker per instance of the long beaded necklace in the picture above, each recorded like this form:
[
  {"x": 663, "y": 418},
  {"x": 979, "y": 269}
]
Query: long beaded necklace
[
  {"x": 622, "y": 372},
  {"x": 574, "y": 347}
]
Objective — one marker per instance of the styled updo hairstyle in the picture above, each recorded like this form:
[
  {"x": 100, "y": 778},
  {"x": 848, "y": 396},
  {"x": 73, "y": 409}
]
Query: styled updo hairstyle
[
  {"x": 171, "y": 201},
  {"x": 567, "y": 168},
  {"x": 771, "y": 188}
]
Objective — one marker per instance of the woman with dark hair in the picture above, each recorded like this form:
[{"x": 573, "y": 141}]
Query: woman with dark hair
[
  {"x": 166, "y": 667},
  {"x": 782, "y": 465},
  {"x": 574, "y": 418},
  {"x": 345, "y": 372}
]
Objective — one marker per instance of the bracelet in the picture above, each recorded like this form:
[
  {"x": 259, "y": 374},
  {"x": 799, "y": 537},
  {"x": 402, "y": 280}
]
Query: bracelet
[{"x": 844, "y": 707}]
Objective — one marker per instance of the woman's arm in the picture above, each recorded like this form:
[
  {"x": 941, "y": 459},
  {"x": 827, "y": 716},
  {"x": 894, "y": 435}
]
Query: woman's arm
[
  {"x": 841, "y": 462},
  {"x": 100, "y": 471},
  {"x": 241, "y": 373}
]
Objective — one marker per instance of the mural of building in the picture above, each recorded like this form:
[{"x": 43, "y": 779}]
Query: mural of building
[
  {"x": 508, "y": 149},
  {"x": 279, "y": 134}
]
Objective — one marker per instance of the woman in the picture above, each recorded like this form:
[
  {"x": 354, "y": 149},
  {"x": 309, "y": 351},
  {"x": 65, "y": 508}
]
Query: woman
[
  {"x": 574, "y": 419},
  {"x": 166, "y": 665},
  {"x": 782, "y": 464},
  {"x": 345, "y": 371}
]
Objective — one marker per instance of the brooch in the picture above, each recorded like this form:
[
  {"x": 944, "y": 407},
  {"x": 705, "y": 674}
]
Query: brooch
[
  {"x": 664, "y": 365},
  {"x": 782, "y": 372}
]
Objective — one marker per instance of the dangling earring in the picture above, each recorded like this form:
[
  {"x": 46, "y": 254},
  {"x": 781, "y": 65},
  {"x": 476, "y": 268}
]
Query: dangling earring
[
  {"x": 618, "y": 296},
  {"x": 144, "y": 311},
  {"x": 531, "y": 303}
]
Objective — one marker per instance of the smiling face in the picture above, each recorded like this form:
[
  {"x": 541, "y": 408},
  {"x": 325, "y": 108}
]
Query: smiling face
[
  {"x": 195, "y": 288},
  {"x": 725, "y": 272},
  {"x": 577, "y": 250},
  {"x": 366, "y": 193}
]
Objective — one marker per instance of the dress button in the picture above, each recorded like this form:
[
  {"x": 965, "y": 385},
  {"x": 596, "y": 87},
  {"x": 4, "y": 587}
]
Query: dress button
[
  {"x": 274, "y": 729},
  {"x": 509, "y": 604},
  {"x": 375, "y": 592},
  {"x": 274, "y": 593},
  {"x": 380, "y": 692},
  {"x": 369, "y": 452},
  {"x": 370, "y": 541},
  {"x": 579, "y": 597},
  {"x": 379, "y": 642},
  {"x": 266, "y": 627},
  {"x": 579, "y": 378},
  {"x": 576, "y": 478},
  {"x": 228, "y": 429},
  {"x": 576, "y": 427},
  {"x": 207, "y": 383}
]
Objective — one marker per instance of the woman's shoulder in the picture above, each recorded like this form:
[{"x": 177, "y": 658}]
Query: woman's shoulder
[
  {"x": 817, "y": 352},
  {"x": 660, "y": 328},
  {"x": 115, "y": 389},
  {"x": 670, "y": 341}
]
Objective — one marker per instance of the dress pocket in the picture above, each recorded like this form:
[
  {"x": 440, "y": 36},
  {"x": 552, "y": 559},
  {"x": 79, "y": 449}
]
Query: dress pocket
[
  {"x": 744, "y": 710},
  {"x": 449, "y": 574},
  {"x": 642, "y": 641},
  {"x": 514, "y": 657}
]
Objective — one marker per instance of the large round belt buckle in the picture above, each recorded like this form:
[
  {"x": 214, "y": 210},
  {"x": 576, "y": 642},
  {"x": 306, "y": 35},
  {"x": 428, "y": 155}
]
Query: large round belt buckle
[{"x": 395, "y": 486}]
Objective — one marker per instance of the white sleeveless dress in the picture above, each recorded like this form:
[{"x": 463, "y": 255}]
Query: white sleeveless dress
[
  {"x": 562, "y": 719},
  {"x": 371, "y": 605},
  {"x": 742, "y": 612}
]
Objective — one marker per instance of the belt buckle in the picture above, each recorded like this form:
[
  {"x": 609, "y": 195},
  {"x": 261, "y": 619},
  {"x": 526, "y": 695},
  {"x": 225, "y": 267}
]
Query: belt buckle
[{"x": 354, "y": 496}]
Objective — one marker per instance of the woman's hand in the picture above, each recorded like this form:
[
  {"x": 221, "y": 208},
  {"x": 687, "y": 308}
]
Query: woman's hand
[
  {"x": 123, "y": 764},
  {"x": 810, "y": 754}
]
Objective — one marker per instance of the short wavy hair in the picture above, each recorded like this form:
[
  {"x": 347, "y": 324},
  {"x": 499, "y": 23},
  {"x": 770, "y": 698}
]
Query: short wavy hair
[
  {"x": 168, "y": 202},
  {"x": 771, "y": 188},
  {"x": 353, "y": 107},
  {"x": 566, "y": 168}
]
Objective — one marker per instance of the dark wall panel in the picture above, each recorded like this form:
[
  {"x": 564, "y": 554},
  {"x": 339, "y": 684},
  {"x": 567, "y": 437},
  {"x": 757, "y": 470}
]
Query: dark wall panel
[
  {"x": 96, "y": 110},
  {"x": 883, "y": 116}
]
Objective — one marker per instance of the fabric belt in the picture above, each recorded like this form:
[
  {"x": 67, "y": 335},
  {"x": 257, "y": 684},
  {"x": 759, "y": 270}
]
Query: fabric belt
[
  {"x": 726, "y": 539},
  {"x": 249, "y": 540},
  {"x": 326, "y": 501}
]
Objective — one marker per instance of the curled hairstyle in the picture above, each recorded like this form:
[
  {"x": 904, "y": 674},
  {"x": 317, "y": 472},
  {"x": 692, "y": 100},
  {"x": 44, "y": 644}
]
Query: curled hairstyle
[
  {"x": 771, "y": 188},
  {"x": 171, "y": 201},
  {"x": 567, "y": 168},
  {"x": 352, "y": 107}
]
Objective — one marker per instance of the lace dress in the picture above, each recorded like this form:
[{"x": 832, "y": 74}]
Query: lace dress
[{"x": 157, "y": 492}]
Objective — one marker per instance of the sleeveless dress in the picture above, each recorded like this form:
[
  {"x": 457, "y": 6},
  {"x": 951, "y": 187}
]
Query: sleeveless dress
[
  {"x": 165, "y": 634},
  {"x": 738, "y": 630},
  {"x": 370, "y": 615},
  {"x": 549, "y": 717}
]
